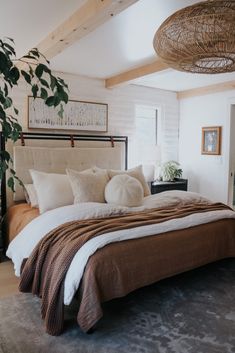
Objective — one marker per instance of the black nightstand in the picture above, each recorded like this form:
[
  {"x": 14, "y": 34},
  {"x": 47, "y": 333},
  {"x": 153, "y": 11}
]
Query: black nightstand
[{"x": 160, "y": 186}]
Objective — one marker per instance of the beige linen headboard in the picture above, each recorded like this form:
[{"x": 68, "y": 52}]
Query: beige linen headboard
[{"x": 57, "y": 155}]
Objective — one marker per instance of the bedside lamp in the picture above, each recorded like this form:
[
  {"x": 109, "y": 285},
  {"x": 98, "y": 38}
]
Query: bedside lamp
[{"x": 151, "y": 170}]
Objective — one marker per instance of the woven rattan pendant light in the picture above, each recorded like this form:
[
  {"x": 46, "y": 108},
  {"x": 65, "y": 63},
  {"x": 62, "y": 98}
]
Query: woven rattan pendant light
[{"x": 199, "y": 38}]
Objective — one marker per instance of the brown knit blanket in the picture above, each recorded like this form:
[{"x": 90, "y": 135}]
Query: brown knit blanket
[{"x": 43, "y": 273}]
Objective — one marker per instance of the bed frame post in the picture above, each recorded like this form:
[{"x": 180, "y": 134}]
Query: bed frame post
[
  {"x": 3, "y": 204},
  {"x": 126, "y": 152},
  {"x": 3, "y": 181}
]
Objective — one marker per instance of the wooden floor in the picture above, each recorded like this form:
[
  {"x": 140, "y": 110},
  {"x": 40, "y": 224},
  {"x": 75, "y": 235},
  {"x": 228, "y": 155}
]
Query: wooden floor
[{"x": 8, "y": 280}]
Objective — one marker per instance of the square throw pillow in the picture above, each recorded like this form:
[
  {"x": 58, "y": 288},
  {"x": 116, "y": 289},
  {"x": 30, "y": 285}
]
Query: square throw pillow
[
  {"x": 31, "y": 195},
  {"x": 88, "y": 186},
  {"x": 53, "y": 190},
  {"x": 136, "y": 173}
]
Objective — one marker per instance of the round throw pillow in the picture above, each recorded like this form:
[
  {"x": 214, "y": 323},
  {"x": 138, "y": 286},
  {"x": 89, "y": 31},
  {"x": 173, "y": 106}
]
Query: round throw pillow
[{"x": 124, "y": 190}]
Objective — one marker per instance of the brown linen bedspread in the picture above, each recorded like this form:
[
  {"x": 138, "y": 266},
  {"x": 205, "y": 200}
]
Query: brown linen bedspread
[{"x": 119, "y": 268}]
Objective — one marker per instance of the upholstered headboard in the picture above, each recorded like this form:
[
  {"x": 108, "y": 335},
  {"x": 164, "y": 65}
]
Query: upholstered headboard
[
  {"x": 59, "y": 152},
  {"x": 56, "y": 160}
]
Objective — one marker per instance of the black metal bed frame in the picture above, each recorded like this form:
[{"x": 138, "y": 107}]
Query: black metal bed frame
[{"x": 57, "y": 137}]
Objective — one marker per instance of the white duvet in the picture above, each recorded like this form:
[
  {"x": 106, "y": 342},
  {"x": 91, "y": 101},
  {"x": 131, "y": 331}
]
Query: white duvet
[{"x": 22, "y": 246}]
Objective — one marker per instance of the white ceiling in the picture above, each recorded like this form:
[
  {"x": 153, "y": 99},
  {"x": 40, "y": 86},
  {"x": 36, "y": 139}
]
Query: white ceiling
[
  {"x": 181, "y": 81},
  {"x": 30, "y": 21},
  {"x": 122, "y": 43}
]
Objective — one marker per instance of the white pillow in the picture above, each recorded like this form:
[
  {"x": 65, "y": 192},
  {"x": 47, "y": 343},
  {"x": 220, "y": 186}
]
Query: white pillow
[
  {"x": 124, "y": 190},
  {"x": 53, "y": 190},
  {"x": 137, "y": 173},
  {"x": 31, "y": 195},
  {"x": 89, "y": 185}
]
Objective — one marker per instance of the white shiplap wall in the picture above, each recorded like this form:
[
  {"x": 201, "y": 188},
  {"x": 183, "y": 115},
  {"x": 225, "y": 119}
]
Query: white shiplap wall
[
  {"x": 122, "y": 102},
  {"x": 208, "y": 175}
]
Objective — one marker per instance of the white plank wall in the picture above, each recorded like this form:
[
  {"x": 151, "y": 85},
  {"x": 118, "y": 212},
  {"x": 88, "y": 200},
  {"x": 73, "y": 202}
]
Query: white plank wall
[{"x": 122, "y": 102}]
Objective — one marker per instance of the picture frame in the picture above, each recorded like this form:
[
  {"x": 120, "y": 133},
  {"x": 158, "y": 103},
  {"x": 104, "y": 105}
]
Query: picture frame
[
  {"x": 78, "y": 116},
  {"x": 211, "y": 140}
]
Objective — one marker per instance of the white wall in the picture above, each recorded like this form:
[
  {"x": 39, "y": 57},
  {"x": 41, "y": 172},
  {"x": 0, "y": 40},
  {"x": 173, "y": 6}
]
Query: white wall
[
  {"x": 207, "y": 174},
  {"x": 121, "y": 105}
]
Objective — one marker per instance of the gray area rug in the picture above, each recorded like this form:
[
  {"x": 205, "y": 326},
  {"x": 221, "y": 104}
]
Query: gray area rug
[{"x": 190, "y": 313}]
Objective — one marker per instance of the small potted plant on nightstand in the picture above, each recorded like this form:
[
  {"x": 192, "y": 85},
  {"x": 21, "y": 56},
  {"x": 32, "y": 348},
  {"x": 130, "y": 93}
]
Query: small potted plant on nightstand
[
  {"x": 169, "y": 179},
  {"x": 170, "y": 171}
]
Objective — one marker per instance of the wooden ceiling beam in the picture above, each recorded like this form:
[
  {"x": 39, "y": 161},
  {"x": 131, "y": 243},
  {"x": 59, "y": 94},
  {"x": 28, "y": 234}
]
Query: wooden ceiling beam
[
  {"x": 215, "y": 88},
  {"x": 140, "y": 71},
  {"x": 86, "y": 19}
]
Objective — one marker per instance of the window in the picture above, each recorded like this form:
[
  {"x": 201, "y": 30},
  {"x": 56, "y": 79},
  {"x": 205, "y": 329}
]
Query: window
[
  {"x": 145, "y": 146},
  {"x": 146, "y": 125}
]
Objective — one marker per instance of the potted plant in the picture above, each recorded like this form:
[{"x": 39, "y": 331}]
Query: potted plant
[
  {"x": 170, "y": 171},
  {"x": 37, "y": 74}
]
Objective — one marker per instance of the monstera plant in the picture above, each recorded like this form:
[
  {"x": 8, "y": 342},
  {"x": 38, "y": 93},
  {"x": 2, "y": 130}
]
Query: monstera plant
[{"x": 34, "y": 69}]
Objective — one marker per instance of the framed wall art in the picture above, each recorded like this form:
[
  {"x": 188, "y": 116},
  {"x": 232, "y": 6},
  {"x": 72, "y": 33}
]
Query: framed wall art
[
  {"x": 78, "y": 115},
  {"x": 211, "y": 140}
]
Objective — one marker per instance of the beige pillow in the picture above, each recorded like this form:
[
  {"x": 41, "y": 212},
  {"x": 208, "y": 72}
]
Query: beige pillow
[
  {"x": 53, "y": 190},
  {"x": 124, "y": 190},
  {"x": 137, "y": 173},
  {"x": 31, "y": 195},
  {"x": 88, "y": 186}
]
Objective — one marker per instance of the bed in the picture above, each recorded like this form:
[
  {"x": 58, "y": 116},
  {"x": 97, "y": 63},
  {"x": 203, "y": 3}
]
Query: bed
[{"x": 97, "y": 251}]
